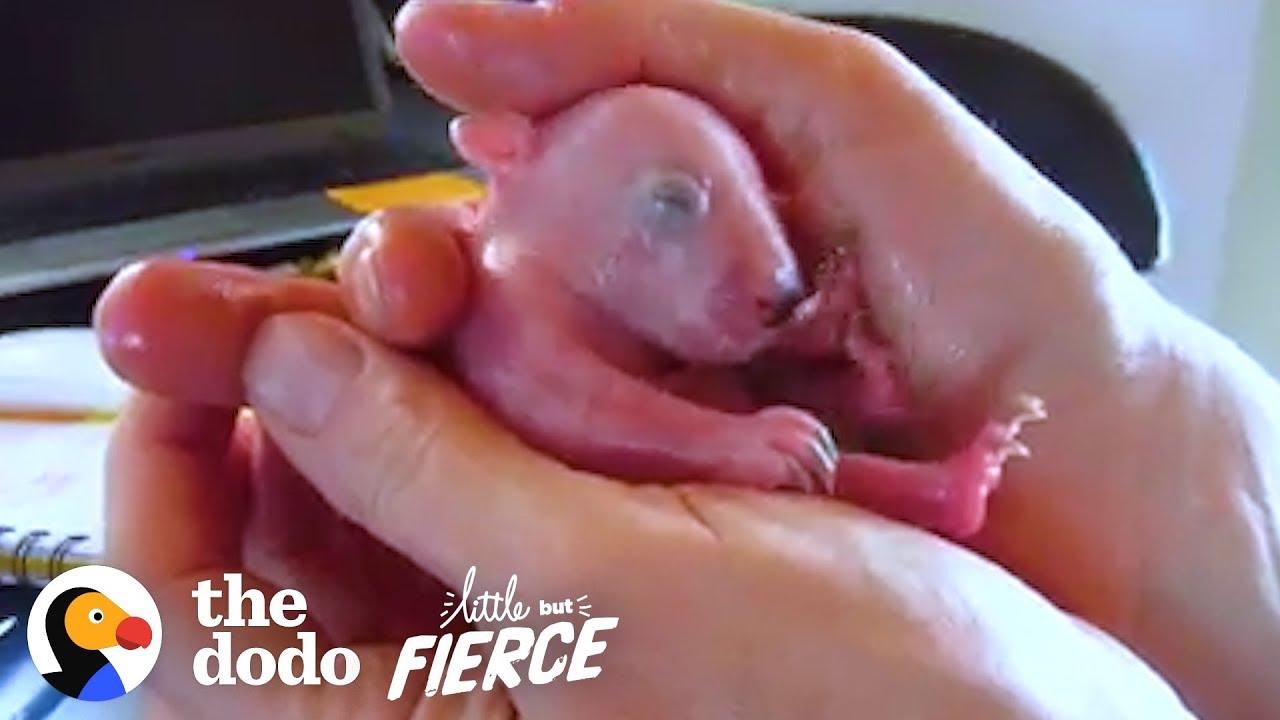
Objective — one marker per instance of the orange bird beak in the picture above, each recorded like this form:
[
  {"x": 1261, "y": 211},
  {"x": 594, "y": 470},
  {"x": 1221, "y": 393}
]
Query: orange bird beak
[{"x": 133, "y": 633}]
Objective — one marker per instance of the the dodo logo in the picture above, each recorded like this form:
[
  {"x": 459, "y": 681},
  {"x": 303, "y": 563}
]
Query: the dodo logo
[{"x": 94, "y": 633}]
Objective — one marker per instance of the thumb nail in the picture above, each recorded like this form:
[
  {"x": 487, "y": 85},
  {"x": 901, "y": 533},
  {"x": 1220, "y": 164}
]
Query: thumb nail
[{"x": 298, "y": 368}]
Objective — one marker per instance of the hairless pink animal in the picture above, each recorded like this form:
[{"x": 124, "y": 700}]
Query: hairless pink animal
[{"x": 632, "y": 269}]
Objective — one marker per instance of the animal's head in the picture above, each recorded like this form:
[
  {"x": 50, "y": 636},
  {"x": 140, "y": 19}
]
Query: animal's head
[
  {"x": 91, "y": 621},
  {"x": 650, "y": 204}
]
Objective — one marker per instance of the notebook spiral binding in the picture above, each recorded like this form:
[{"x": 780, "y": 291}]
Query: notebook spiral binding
[{"x": 35, "y": 558}]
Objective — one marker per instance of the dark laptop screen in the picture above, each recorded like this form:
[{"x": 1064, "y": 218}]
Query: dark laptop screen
[{"x": 86, "y": 74}]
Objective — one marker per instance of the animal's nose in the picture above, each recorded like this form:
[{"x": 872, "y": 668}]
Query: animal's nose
[{"x": 779, "y": 308}]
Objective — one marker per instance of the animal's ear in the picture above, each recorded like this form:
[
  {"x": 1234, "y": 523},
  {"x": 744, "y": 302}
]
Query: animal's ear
[{"x": 495, "y": 143}]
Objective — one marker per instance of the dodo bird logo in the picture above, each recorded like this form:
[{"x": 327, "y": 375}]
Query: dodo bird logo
[{"x": 94, "y": 633}]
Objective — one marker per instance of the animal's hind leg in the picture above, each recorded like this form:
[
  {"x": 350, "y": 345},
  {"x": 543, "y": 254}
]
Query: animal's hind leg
[{"x": 948, "y": 497}]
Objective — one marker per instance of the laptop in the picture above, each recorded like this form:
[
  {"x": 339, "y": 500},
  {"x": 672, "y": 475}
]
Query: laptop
[{"x": 134, "y": 128}]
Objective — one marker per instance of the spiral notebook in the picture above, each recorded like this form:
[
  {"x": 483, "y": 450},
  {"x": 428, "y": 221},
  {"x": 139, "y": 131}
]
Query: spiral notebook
[
  {"x": 54, "y": 393},
  {"x": 51, "y": 498}
]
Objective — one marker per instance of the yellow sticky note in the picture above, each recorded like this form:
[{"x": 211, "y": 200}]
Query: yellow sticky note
[{"x": 417, "y": 190}]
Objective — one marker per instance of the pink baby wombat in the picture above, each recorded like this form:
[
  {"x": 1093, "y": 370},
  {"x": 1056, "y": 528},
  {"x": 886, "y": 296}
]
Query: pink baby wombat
[{"x": 631, "y": 267}]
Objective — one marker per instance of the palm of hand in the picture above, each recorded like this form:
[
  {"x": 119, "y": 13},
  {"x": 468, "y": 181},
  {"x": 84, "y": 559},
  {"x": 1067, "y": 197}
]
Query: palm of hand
[{"x": 358, "y": 589}]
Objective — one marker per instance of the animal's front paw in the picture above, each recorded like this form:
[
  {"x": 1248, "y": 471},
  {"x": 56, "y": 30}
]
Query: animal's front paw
[{"x": 782, "y": 447}]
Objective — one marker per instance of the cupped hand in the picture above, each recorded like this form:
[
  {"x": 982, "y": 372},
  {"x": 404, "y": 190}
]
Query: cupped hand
[
  {"x": 987, "y": 281},
  {"x": 730, "y": 604}
]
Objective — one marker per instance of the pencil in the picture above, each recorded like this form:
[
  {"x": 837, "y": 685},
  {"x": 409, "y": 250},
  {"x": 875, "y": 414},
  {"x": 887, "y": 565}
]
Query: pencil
[{"x": 55, "y": 416}]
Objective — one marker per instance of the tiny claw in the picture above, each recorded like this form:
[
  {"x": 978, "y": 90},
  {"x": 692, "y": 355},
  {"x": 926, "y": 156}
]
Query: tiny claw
[
  {"x": 1031, "y": 408},
  {"x": 807, "y": 309},
  {"x": 826, "y": 480},
  {"x": 829, "y": 455},
  {"x": 829, "y": 445},
  {"x": 803, "y": 479},
  {"x": 820, "y": 452},
  {"x": 1017, "y": 449},
  {"x": 829, "y": 483}
]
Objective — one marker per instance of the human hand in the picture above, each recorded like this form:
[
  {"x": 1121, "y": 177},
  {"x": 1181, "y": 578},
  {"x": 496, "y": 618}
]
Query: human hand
[
  {"x": 987, "y": 281},
  {"x": 730, "y": 603}
]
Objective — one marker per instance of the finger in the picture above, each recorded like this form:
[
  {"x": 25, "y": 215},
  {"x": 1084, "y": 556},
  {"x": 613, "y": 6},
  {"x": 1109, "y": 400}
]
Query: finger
[
  {"x": 394, "y": 446},
  {"x": 404, "y": 273},
  {"x": 180, "y": 329},
  {"x": 174, "y": 504}
]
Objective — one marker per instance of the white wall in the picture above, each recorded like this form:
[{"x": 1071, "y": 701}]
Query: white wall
[
  {"x": 1179, "y": 74},
  {"x": 1249, "y": 301}
]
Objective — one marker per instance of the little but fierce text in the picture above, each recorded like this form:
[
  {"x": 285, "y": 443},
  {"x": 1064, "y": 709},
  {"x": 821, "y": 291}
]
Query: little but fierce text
[{"x": 517, "y": 653}]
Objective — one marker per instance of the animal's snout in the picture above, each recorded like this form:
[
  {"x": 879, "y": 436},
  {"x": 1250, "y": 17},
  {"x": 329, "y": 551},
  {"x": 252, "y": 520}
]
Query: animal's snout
[{"x": 779, "y": 308}]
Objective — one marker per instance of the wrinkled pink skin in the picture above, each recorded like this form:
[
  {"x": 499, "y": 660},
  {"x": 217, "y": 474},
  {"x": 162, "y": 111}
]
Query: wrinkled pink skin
[
  {"x": 631, "y": 266},
  {"x": 830, "y": 361}
]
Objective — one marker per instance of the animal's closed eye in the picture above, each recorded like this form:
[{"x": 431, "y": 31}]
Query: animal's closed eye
[{"x": 673, "y": 200}]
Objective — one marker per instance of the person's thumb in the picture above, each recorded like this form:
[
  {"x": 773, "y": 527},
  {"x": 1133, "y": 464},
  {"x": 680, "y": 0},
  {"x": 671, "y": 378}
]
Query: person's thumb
[{"x": 399, "y": 449}]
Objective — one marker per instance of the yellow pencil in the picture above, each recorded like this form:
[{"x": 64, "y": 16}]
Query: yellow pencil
[{"x": 55, "y": 416}]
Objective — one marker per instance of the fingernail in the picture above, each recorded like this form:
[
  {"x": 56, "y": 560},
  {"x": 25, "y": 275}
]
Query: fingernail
[
  {"x": 370, "y": 296},
  {"x": 409, "y": 11},
  {"x": 405, "y": 15},
  {"x": 298, "y": 369}
]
